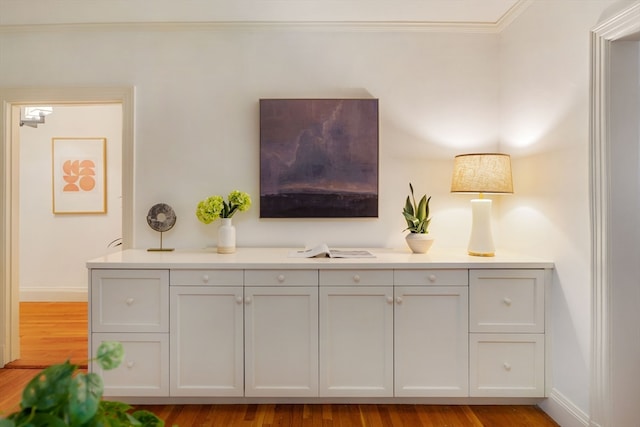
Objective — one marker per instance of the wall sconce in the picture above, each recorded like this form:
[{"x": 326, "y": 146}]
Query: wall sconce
[
  {"x": 34, "y": 116},
  {"x": 482, "y": 173}
]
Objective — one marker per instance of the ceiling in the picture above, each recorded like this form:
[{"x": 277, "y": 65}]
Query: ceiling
[{"x": 437, "y": 12}]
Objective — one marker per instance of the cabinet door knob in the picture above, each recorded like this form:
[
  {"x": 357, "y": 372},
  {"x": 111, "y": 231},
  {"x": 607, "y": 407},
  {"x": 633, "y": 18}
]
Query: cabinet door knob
[
  {"x": 398, "y": 300},
  {"x": 131, "y": 364},
  {"x": 130, "y": 301},
  {"x": 281, "y": 278},
  {"x": 389, "y": 299},
  {"x": 507, "y": 301},
  {"x": 507, "y": 366},
  {"x": 247, "y": 300},
  {"x": 356, "y": 278},
  {"x": 239, "y": 300},
  {"x": 432, "y": 278},
  {"x": 205, "y": 278}
]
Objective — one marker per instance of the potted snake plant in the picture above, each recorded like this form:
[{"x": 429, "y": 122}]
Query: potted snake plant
[{"x": 417, "y": 216}]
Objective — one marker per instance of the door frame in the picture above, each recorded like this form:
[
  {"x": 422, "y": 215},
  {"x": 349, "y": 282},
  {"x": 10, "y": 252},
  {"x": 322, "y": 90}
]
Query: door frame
[
  {"x": 621, "y": 25},
  {"x": 10, "y": 100}
]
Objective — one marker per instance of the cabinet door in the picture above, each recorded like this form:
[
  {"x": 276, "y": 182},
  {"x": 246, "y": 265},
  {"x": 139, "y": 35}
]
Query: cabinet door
[
  {"x": 281, "y": 341},
  {"x": 431, "y": 341},
  {"x": 144, "y": 370},
  {"x": 206, "y": 341},
  {"x": 356, "y": 341},
  {"x": 129, "y": 300}
]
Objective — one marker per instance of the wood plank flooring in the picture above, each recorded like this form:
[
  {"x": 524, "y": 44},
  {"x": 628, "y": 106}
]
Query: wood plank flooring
[
  {"x": 52, "y": 332},
  {"x": 51, "y": 341}
]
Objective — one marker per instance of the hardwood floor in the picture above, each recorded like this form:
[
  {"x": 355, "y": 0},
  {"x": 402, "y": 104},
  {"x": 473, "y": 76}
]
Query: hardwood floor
[{"x": 52, "y": 332}]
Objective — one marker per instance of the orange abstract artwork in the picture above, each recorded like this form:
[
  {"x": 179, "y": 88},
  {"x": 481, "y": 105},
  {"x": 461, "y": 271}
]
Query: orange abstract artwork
[{"x": 79, "y": 175}]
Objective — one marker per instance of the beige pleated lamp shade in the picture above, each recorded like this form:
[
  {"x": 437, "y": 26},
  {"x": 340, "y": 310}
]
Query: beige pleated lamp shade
[{"x": 482, "y": 173}]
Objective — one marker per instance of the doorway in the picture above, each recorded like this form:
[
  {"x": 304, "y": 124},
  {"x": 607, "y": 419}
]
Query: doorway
[
  {"x": 615, "y": 203},
  {"x": 10, "y": 102}
]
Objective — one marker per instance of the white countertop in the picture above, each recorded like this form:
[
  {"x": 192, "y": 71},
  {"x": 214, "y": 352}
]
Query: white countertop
[{"x": 276, "y": 258}]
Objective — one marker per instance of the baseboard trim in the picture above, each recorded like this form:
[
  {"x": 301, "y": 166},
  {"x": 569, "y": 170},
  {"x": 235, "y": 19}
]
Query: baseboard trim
[
  {"x": 563, "y": 411},
  {"x": 53, "y": 294}
]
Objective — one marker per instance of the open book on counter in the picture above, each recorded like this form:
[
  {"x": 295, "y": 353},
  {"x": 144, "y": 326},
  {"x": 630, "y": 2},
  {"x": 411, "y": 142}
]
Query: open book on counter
[{"x": 323, "y": 251}]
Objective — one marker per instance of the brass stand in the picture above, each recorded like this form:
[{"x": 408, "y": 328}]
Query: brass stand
[{"x": 160, "y": 249}]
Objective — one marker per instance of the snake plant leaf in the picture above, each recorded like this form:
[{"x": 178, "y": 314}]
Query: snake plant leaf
[
  {"x": 426, "y": 214},
  {"x": 49, "y": 388},
  {"x": 110, "y": 354},
  {"x": 408, "y": 207},
  {"x": 421, "y": 213},
  {"x": 85, "y": 393}
]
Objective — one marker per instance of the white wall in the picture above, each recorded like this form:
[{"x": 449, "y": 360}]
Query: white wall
[
  {"x": 54, "y": 247},
  {"x": 197, "y": 92},
  {"x": 545, "y": 125}
]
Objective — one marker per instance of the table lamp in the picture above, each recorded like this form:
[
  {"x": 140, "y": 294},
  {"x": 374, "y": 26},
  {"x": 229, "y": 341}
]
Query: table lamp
[{"x": 482, "y": 173}]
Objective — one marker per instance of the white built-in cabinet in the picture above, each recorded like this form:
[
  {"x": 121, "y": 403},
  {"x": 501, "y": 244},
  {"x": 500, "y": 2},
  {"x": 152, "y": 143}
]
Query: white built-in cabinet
[{"x": 316, "y": 331}]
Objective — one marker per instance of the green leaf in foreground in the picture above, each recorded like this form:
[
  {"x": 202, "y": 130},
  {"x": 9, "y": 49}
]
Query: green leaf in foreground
[
  {"x": 110, "y": 354},
  {"x": 84, "y": 397},
  {"x": 49, "y": 388}
]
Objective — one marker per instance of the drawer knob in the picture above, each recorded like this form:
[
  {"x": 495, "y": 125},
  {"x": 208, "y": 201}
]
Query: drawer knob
[
  {"x": 356, "y": 278},
  {"x": 507, "y": 366},
  {"x": 389, "y": 300},
  {"x": 239, "y": 300},
  {"x": 131, "y": 364},
  {"x": 281, "y": 278},
  {"x": 507, "y": 301},
  {"x": 130, "y": 301},
  {"x": 432, "y": 278},
  {"x": 205, "y": 278}
]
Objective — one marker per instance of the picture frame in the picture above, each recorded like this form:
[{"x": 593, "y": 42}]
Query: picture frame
[
  {"x": 79, "y": 172},
  {"x": 319, "y": 158}
]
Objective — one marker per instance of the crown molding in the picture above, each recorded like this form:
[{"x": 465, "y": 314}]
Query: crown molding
[
  {"x": 271, "y": 25},
  {"x": 259, "y": 26}
]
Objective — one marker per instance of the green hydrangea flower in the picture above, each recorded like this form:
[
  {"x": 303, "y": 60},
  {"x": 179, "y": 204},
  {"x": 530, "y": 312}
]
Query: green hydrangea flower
[
  {"x": 240, "y": 200},
  {"x": 215, "y": 207},
  {"x": 210, "y": 209}
]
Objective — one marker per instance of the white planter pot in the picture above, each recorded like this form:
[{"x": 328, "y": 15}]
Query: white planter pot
[{"x": 419, "y": 242}]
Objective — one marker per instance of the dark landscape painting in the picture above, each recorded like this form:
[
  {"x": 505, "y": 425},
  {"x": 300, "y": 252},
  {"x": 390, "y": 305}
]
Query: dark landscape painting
[{"x": 318, "y": 158}]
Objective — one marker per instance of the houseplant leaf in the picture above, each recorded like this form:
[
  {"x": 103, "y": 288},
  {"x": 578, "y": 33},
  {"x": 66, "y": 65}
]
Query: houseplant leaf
[
  {"x": 148, "y": 419},
  {"x": 110, "y": 354},
  {"x": 49, "y": 388},
  {"x": 85, "y": 392}
]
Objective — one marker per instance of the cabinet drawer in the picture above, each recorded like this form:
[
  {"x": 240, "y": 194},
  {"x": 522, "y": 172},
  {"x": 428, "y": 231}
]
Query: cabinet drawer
[
  {"x": 130, "y": 300},
  {"x": 207, "y": 277},
  {"x": 144, "y": 371},
  {"x": 431, "y": 277},
  {"x": 506, "y": 365},
  {"x": 506, "y": 301},
  {"x": 356, "y": 277},
  {"x": 281, "y": 277}
]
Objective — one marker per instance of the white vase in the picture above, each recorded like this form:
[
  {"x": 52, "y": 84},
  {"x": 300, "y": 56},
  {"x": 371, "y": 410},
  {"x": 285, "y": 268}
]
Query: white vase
[
  {"x": 226, "y": 237},
  {"x": 419, "y": 243}
]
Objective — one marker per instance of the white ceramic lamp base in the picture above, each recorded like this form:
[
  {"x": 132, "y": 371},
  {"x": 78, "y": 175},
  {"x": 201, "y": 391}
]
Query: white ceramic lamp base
[{"x": 481, "y": 241}]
